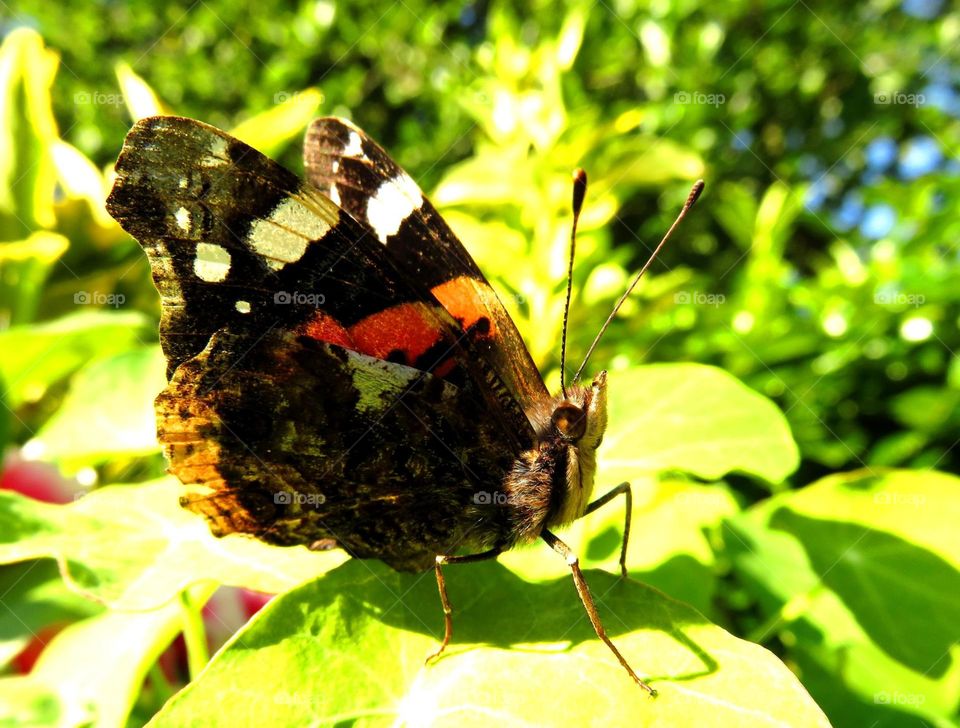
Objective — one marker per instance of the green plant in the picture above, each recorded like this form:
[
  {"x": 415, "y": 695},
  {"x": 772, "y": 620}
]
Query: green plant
[{"x": 847, "y": 581}]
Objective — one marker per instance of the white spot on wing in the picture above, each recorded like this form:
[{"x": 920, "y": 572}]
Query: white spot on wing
[
  {"x": 354, "y": 146},
  {"x": 242, "y": 306},
  {"x": 216, "y": 153},
  {"x": 335, "y": 195},
  {"x": 212, "y": 262},
  {"x": 392, "y": 204},
  {"x": 335, "y": 166},
  {"x": 182, "y": 216},
  {"x": 283, "y": 236}
]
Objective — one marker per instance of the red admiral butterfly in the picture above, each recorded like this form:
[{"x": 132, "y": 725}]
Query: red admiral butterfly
[{"x": 340, "y": 371}]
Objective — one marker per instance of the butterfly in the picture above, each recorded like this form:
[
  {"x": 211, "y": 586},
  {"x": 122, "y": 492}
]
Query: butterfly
[{"x": 340, "y": 372}]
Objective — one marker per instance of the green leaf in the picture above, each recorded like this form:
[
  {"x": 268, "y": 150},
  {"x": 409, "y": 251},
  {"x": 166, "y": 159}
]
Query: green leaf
[
  {"x": 26, "y": 702},
  {"x": 736, "y": 211},
  {"x": 350, "y": 647},
  {"x": 694, "y": 419},
  {"x": 141, "y": 100},
  {"x": 27, "y": 176},
  {"x": 906, "y": 598},
  {"x": 570, "y": 37},
  {"x": 36, "y": 357},
  {"x": 6, "y": 416},
  {"x": 668, "y": 548},
  {"x": 641, "y": 159},
  {"x": 926, "y": 409},
  {"x": 860, "y": 571},
  {"x": 888, "y": 547},
  {"x": 271, "y": 130},
  {"x": 37, "y": 599},
  {"x": 24, "y": 267},
  {"x": 108, "y": 411},
  {"x": 163, "y": 549},
  {"x": 115, "y": 650},
  {"x": 480, "y": 180},
  {"x": 80, "y": 179}
]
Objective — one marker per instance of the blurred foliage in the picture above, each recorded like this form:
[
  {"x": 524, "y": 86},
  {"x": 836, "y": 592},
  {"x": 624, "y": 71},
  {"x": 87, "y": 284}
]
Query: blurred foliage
[{"x": 820, "y": 268}]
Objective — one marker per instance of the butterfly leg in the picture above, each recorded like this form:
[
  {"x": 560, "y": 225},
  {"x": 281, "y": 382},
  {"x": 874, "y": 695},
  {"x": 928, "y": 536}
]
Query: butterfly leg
[
  {"x": 623, "y": 488},
  {"x": 442, "y": 587},
  {"x": 584, "y": 592}
]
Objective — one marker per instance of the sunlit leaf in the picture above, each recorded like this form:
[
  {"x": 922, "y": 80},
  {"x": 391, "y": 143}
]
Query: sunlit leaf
[
  {"x": 141, "y": 100},
  {"x": 24, "y": 267},
  {"x": 42, "y": 602},
  {"x": 27, "y": 702},
  {"x": 694, "y": 419},
  {"x": 863, "y": 569},
  {"x": 271, "y": 130},
  {"x": 36, "y": 357},
  {"x": 115, "y": 650},
  {"x": 27, "y": 177},
  {"x": 80, "y": 178},
  {"x": 668, "y": 546},
  {"x": 366, "y": 630},
  {"x": 108, "y": 411},
  {"x": 165, "y": 548}
]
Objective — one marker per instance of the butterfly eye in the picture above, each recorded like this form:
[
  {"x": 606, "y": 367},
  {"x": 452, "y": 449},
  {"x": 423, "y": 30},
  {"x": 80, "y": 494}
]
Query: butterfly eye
[{"x": 570, "y": 421}]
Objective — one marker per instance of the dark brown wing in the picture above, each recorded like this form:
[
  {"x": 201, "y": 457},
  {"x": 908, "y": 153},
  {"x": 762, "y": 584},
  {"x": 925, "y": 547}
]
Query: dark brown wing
[
  {"x": 234, "y": 239},
  {"x": 248, "y": 259},
  {"x": 295, "y": 440},
  {"x": 357, "y": 174}
]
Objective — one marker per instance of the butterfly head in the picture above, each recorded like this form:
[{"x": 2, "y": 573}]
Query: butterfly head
[
  {"x": 579, "y": 419},
  {"x": 581, "y": 416}
]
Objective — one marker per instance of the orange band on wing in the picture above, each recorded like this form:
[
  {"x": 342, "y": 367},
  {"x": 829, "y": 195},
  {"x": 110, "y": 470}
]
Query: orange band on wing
[
  {"x": 324, "y": 327},
  {"x": 464, "y": 298},
  {"x": 407, "y": 328}
]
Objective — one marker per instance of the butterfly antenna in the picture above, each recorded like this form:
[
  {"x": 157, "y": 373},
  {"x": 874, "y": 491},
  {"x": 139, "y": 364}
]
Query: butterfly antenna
[
  {"x": 691, "y": 199},
  {"x": 579, "y": 192}
]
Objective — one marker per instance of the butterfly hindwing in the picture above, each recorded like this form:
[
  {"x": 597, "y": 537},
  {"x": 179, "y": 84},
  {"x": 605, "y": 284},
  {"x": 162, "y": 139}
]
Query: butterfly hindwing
[
  {"x": 296, "y": 441},
  {"x": 346, "y": 164}
]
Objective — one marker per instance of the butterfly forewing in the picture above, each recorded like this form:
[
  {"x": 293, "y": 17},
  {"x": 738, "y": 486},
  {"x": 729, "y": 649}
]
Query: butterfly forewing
[{"x": 346, "y": 164}]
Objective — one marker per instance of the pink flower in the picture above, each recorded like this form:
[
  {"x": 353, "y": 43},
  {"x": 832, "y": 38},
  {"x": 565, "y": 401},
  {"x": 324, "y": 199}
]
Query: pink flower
[{"x": 40, "y": 481}]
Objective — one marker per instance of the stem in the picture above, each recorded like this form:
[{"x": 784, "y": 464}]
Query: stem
[
  {"x": 194, "y": 635},
  {"x": 161, "y": 686}
]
